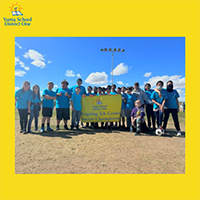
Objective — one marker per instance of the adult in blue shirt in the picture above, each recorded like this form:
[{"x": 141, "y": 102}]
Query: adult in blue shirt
[
  {"x": 21, "y": 100},
  {"x": 172, "y": 106},
  {"x": 79, "y": 84},
  {"x": 47, "y": 106},
  {"x": 130, "y": 104},
  {"x": 159, "y": 97},
  {"x": 149, "y": 107},
  {"x": 63, "y": 95}
]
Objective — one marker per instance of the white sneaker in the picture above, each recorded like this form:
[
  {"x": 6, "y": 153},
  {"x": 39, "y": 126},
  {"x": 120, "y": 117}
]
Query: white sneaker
[{"x": 178, "y": 133}]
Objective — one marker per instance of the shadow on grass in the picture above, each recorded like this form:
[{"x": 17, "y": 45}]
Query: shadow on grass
[{"x": 67, "y": 134}]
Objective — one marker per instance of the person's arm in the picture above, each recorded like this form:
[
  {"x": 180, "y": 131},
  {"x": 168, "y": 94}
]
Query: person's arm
[
  {"x": 156, "y": 103},
  {"x": 72, "y": 106},
  {"x": 145, "y": 97},
  {"x": 49, "y": 97},
  {"x": 158, "y": 91},
  {"x": 29, "y": 106},
  {"x": 67, "y": 95},
  {"x": 162, "y": 106},
  {"x": 177, "y": 101}
]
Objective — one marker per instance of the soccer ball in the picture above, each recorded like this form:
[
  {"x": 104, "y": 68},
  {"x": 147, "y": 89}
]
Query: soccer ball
[{"x": 159, "y": 132}]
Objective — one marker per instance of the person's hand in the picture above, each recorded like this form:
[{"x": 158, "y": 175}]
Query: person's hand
[
  {"x": 162, "y": 109},
  {"x": 73, "y": 109},
  {"x": 178, "y": 110},
  {"x": 83, "y": 95},
  {"x": 54, "y": 98},
  {"x": 160, "y": 106},
  {"x": 29, "y": 110},
  {"x": 66, "y": 93}
]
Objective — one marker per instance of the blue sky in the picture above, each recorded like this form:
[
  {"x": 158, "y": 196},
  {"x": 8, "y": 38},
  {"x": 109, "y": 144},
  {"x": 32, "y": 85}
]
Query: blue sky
[{"x": 146, "y": 59}]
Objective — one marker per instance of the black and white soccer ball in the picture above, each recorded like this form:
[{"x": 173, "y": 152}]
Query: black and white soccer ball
[{"x": 159, "y": 132}]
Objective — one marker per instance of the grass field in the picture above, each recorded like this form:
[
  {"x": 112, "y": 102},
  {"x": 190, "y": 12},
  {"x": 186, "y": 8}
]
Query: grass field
[{"x": 97, "y": 151}]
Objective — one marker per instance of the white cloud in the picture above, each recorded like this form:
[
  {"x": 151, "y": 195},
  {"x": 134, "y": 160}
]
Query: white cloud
[
  {"x": 17, "y": 88},
  {"x": 18, "y": 61},
  {"x": 78, "y": 75},
  {"x": 97, "y": 78},
  {"x": 38, "y": 63},
  {"x": 17, "y": 44},
  {"x": 178, "y": 80},
  {"x": 120, "y": 83},
  {"x": 55, "y": 86},
  {"x": 69, "y": 73},
  {"x": 19, "y": 73},
  {"x": 147, "y": 74},
  {"x": 127, "y": 84},
  {"x": 49, "y": 61},
  {"x": 38, "y": 58},
  {"x": 120, "y": 69}
]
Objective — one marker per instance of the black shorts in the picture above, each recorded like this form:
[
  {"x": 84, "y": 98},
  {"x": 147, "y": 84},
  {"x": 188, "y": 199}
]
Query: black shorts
[
  {"x": 47, "y": 112},
  {"x": 62, "y": 113}
]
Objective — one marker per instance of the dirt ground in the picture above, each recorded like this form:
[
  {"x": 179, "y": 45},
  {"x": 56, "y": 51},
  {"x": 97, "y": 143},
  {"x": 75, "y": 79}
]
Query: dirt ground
[{"x": 97, "y": 151}]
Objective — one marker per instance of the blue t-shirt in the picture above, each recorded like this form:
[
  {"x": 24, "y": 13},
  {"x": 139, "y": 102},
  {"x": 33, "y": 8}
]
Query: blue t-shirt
[
  {"x": 63, "y": 101},
  {"x": 88, "y": 94},
  {"x": 76, "y": 99},
  {"x": 171, "y": 101},
  {"x": 148, "y": 93},
  {"x": 130, "y": 101},
  {"x": 113, "y": 93},
  {"x": 123, "y": 104},
  {"x": 155, "y": 97},
  {"x": 83, "y": 91},
  {"x": 36, "y": 100},
  {"x": 22, "y": 98},
  {"x": 48, "y": 103}
]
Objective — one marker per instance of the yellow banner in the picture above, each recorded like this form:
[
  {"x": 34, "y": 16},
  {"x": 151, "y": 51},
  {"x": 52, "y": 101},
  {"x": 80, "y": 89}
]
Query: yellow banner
[{"x": 101, "y": 108}]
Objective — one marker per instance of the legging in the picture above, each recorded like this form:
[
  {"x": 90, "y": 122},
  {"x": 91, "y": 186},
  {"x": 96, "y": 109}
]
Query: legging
[{"x": 23, "y": 116}]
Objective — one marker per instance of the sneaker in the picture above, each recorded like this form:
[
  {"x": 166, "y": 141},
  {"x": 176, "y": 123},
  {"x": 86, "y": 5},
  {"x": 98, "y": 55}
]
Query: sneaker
[
  {"x": 66, "y": 128},
  {"x": 24, "y": 132},
  {"x": 49, "y": 129},
  {"x": 137, "y": 133},
  {"x": 21, "y": 131},
  {"x": 30, "y": 131},
  {"x": 42, "y": 130},
  {"x": 36, "y": 130},
  {"x": 178, "y": 133},
  {"x": 77, "y": 128},
  {"x": 57, "y": 128}
]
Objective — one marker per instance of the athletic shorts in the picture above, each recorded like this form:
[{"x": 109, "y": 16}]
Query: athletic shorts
[
  {"x": 123, "y": 113},
  {"x": 47, "y": 112},
  {"x": 62, "y": 113}
]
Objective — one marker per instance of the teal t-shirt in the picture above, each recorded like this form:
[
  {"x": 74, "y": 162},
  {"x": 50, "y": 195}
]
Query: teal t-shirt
[
  {"x": 155, "y": 97},
  {"x": 36, "y": 100},
  {"x": 171, "y": 102},
  {"x": 83, "y": 91},
  {"x": 48, "y": 103},
  {"x": 63, "y": 101},
  {"x": 113, "y": 93},
  {"x": 76, "y": 99},
  {"x": 22, "y": 98},
  {"x": 123, "y": 104},
  {"x": 130, "y": 101}
]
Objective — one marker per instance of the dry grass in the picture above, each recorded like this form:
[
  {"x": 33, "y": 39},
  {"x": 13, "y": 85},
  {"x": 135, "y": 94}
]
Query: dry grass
[{"x": 90, "y": 151}]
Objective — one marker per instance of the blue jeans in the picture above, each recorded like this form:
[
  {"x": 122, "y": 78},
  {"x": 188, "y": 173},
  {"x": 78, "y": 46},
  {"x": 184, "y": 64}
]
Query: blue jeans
[
  {"x": 159, "y": 117},
  {"x": 76, "y": 118},
  {"x": 33, "y": 114}
]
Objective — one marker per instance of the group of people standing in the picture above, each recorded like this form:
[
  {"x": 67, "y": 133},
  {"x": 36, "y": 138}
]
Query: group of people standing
[{"x": 135, "y": 102}]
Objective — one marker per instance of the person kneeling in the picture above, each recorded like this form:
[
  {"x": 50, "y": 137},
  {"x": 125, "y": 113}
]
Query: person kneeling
[{"x": 137, "y": 116}]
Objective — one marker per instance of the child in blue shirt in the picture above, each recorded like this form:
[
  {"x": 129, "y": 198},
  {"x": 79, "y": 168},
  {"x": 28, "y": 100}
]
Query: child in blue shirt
[
  {"x": 63, "y": 95},
  {"x": 34, "y": 107},
  {"x": 21, "y": 100},
  {"x": 172, "y": 106},
  {"x": 149, "y": 107},
  {"x": 47, "y": 106},
  {"x": 130, "y": 101},
  {"x": 159, "y": 99},
  {"x": 76, "y": 108}
]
